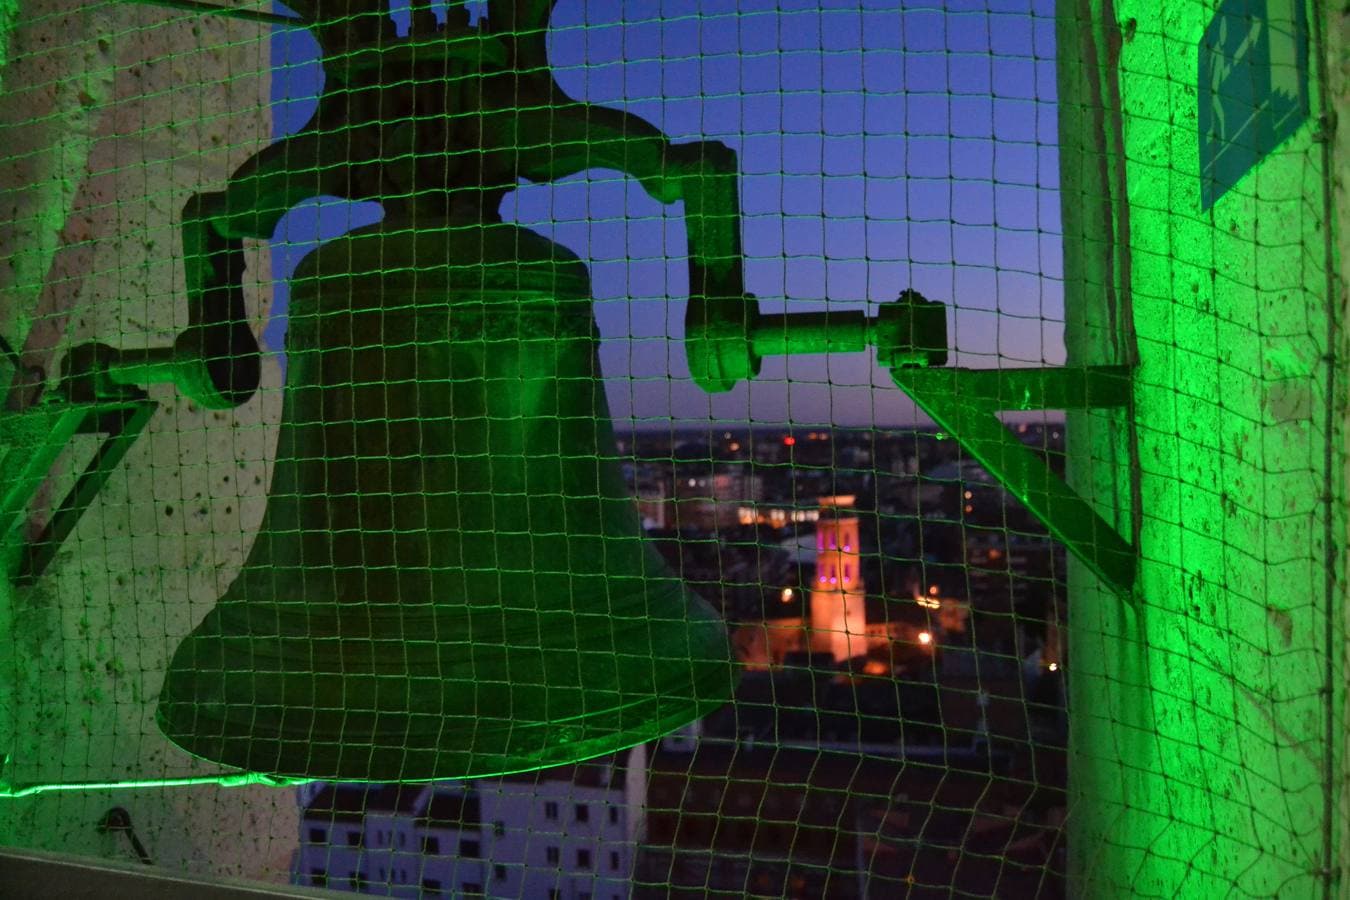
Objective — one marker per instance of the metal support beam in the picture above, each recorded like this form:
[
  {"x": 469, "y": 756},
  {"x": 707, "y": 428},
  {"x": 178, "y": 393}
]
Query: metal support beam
[
  {"x": 964, "y": 403},
  {"x": 30, "y": 442}
]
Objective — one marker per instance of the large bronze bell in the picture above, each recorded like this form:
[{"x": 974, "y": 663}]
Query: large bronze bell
[{"x": 450, "y": 579}]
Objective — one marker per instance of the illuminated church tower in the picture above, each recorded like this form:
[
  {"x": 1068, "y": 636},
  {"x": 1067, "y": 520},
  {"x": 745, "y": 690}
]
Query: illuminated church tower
[{"x": 838, "y": 619}]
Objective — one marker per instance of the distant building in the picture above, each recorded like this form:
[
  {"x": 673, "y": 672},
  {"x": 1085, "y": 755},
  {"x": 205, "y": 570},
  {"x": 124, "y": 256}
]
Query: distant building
[
  {"x": 653, "y": 501},
  {"x": 564, "y": 834},
  {"x": 775, "y": 515},
  {"x": 838, "y": 607},
  {"x": 707, "y": 500},
  {"x": 731, "y": 819}
]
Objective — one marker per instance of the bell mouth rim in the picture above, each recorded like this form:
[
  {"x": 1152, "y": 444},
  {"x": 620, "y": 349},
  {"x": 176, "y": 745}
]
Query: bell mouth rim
[{"x": 498, "y": 762}]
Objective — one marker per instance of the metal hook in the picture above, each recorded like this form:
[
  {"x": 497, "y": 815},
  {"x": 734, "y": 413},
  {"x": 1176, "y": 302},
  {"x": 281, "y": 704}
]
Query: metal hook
[{"x": 118, "y": 819}]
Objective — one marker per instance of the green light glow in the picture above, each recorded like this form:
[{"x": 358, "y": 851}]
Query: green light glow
[
  {"x": 8, "y": 8},
  {"x": 236, "y": 779},
  {"x": 1200, "y": 763}
]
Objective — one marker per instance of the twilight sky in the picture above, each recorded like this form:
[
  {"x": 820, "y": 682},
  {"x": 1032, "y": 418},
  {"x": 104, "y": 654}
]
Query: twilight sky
[{"x": 882, "y": 146}]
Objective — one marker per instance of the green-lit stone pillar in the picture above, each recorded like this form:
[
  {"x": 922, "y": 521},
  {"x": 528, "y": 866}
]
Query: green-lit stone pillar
[
  {"x": 1206, "y": 718},
  {"x": 111, "y": 116}
]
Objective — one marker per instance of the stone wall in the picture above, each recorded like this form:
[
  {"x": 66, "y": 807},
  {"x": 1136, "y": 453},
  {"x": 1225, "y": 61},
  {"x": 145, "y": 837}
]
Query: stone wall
[
  {"x": 1206, "y": 709},
  {"x": 112, "y": 116}
]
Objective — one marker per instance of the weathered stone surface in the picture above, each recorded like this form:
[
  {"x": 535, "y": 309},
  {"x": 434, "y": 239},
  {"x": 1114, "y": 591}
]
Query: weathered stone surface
[
  {"x": 1206, "y": 715},
  {"x": 112, "y": 116}
]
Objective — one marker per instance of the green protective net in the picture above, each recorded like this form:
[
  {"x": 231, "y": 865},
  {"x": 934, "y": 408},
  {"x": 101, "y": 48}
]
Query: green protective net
[{"x": 593, "y": 450}]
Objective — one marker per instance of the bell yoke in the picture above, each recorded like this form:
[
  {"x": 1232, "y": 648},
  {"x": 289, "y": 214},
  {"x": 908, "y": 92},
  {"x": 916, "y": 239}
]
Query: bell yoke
[{"x": 450, "y": 579}]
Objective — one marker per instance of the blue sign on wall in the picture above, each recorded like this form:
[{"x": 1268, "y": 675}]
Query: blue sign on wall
[{"x": 1252, "y": 88}]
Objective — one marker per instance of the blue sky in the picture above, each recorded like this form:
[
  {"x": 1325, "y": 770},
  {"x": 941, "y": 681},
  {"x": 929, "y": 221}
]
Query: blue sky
[{"x": 881, "y": 148}]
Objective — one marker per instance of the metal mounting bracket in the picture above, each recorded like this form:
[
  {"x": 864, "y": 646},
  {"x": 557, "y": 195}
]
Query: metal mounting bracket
[
  {"x": 910, "y": 336},
  {"x": 964, "y": 403},
  {"x": 30, "y": 442}
]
